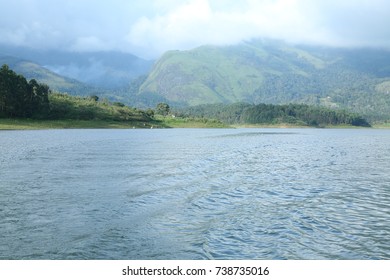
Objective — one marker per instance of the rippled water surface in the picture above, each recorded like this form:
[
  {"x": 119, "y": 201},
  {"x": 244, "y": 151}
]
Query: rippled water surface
[{"x": 195, "y": 194}]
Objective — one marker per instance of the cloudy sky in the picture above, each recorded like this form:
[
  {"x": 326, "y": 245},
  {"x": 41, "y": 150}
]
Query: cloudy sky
[{"x": 147, "y": 28}]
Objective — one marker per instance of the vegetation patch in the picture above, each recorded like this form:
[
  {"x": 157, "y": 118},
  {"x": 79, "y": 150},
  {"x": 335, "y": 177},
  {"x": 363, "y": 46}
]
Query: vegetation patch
[
  {"x": 269, "y": 114},
  {"x": 24, "y": 124},
  {"x": 191, "y": 122},
  {"x": 32, "y": 105}
]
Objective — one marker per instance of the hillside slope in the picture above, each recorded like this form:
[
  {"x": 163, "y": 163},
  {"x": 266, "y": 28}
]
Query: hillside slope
[
  {"x": 107, "y": 70},
  {"x": 264, "y": 71},
  {"x": 32, "y": 70}
]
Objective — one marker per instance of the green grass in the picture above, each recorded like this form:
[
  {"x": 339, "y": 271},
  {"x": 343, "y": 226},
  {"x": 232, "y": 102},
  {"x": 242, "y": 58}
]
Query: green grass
[
  {"x": 178, "y": 122},
  {"x": 385, "y": 125},
  {"x": 27, "y": 124},
  {"x": 267, "y": 125},
  {"x": 160, "y": 122}
]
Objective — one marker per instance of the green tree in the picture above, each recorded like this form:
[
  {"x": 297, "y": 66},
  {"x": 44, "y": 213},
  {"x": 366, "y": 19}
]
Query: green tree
[
  {"x": 150, "y": 113},
  {"x": 94, "y": 98},
  {"x": 163, "y": 109},
  {"x": 38, "y": 99},
  {"x": 6, "y": 83},
  {"x": 19, "y": 98}
]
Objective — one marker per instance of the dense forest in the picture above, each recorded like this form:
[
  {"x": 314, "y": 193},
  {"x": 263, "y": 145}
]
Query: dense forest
[
  {"x": 19, "y": 98},
  {"x": 296, "y": 114}
]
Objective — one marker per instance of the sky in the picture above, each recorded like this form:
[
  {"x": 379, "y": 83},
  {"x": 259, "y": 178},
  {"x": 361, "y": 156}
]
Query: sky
[{"x": 148, "y": 28}]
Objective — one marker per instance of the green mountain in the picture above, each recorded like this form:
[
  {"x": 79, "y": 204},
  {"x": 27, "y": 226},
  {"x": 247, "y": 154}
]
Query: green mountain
[
  {"x": 32, "y": 70},
  {"x": 109, "y": 70},
  {"x": 264, "y": 71}
]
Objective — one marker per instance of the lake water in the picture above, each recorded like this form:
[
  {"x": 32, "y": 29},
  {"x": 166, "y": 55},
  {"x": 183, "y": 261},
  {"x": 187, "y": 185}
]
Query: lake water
[{"x": 195, "y": 194}]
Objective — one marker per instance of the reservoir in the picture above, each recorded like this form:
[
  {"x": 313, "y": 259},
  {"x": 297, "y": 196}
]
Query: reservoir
[{"x": 195, "y": 194}]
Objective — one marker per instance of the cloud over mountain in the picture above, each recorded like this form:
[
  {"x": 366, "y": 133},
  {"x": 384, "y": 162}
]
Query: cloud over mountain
[{"x": 150, "y": 28}]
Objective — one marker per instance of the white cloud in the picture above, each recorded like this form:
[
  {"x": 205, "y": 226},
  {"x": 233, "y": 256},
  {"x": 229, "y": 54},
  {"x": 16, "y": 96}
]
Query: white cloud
[
  {"x": 196, "y": 22},
  {"x": 36, "y": 34},
  {"x": 89, "y": 43},
  {"x": 148, "y": 28},
  {"x": 183, "y": 26}
]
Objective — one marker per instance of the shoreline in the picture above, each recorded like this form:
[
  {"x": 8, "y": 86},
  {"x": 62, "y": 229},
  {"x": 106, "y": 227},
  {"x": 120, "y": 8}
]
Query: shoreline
[
  {"x": 30, "y": 124},
  {"x": 160, "y": 123}
]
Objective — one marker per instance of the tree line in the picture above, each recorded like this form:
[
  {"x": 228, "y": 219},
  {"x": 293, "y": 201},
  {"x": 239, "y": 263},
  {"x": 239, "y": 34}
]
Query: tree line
[
  {"x": 22, "y": 98},
  {"x": 298, "y": 114}
]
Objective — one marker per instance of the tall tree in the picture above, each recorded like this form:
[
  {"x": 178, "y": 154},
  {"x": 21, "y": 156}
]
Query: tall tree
[
  {"x": 163, "y": 109},
  {"x": 19, "y": 98}
]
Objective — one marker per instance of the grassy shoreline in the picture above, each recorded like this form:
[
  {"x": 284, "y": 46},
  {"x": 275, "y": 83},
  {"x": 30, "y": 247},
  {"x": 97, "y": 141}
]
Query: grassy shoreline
[
  {"x": 381, "y": 125},
  {"x": 178, "y": 122},
  {"x": 30, "y": 124},
  {"x": 160, "y": 122}
]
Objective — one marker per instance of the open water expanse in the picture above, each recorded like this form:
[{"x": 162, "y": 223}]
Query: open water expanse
[{"x": 195, "y": 194}]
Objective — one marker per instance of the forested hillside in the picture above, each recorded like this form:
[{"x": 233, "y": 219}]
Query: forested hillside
[
  {"x": 20, "y": 98},
  {"x": 259, "y": 71},
  {"x": 295, "y": 114},
  {"x": 32, "y": 70},
  {"x": 107, "y": 70},
  {"x": 23, "y": 99},
  {"x": 266, "y": 71}
]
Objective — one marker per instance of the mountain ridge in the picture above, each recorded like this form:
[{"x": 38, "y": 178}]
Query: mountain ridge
[
  {"x": 265, "y": 71},
  {"x": 32, "y": 70},
  {"x": 257, "y": 71},
  {"x": 108, "y": 70}
]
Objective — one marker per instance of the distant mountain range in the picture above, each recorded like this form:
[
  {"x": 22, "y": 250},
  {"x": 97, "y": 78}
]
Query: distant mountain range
[
  {"x": 32, "y": 70},
  {"x": 104, "y": 70},
  {"x": 264, "y": 71},
  {"x": 259, "y": 71}
]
